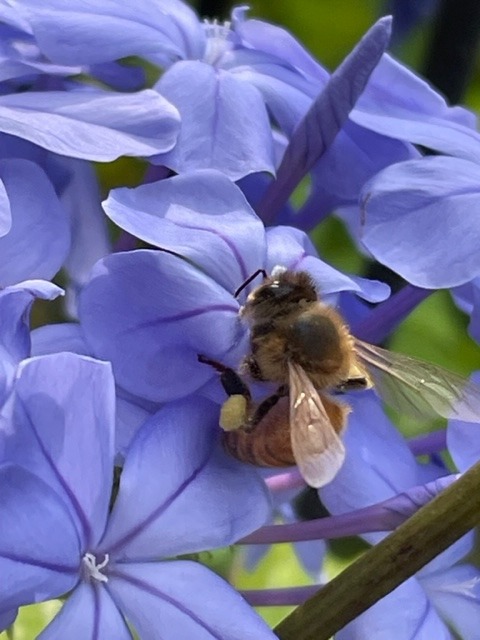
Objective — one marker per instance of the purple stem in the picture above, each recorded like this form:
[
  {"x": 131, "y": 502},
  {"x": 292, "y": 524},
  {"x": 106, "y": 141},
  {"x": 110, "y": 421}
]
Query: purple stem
[
  {"x": 383, "y": 516},
  {"x": 428, "y": 443},
  {"x": 389, "y": 314},
  {"x": 366, "y": 520},
  {"x": 279, "y": 597}
]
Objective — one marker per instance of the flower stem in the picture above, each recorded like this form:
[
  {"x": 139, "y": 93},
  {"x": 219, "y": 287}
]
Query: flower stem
[
  {"x": 366, "y": 520},
  {"x": 384, "y": 567}
]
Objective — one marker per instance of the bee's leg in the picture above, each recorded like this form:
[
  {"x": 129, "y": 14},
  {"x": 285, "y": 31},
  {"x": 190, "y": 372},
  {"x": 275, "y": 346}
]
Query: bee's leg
[
  {"x": 265, "y": 407},
  {"x": 238, "y": 407},
  {"x": 230, "y": 379}
]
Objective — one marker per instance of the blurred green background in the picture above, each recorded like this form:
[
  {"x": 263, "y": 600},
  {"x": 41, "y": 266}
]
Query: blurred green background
[{"x": 436, "y": 331}]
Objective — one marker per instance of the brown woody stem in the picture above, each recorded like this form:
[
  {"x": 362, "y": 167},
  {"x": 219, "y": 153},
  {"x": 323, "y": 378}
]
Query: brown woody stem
[{"x": 431, "y": 530}]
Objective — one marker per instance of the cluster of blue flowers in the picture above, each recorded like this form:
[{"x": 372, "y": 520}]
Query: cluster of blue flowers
[{"x": 240, "y": 114}]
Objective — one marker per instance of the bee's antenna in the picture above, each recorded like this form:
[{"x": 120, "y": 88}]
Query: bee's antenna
[{"x": 248, "y": 280}]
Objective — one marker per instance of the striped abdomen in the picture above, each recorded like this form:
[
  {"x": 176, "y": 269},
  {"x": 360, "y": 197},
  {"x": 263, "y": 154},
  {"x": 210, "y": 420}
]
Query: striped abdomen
[{"x": 268, "y": 444}]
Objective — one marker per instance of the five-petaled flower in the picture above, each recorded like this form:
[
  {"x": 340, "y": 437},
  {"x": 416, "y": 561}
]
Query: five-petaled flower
[{"x": 178, "y": 494}]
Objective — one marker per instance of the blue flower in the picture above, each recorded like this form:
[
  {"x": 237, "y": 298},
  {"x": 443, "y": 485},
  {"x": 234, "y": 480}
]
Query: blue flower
[
  {"x": 152, "y": 312},
  {"x": 419, "y": 217},
  {"x": 178, "y": 494}
]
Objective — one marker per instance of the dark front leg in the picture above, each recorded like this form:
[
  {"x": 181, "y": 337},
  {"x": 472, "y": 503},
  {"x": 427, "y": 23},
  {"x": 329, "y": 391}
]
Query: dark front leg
[
  {"x": 230, "y": 379},
  {"x": 264, "y": 407}
]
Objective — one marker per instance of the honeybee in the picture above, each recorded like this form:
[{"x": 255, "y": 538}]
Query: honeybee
[{"x": 306, "y": 347}]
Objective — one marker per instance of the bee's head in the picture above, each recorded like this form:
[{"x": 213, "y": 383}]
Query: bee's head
[{"x": 281, "y": 287}]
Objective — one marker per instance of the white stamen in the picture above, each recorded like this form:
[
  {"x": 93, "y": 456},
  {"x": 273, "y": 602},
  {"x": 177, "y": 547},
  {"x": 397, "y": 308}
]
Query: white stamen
[
  {"x": 94, "y": 570},
  {"x": 218, "y": 40}
]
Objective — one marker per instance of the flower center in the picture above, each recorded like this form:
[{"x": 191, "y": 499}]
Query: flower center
[
  {"x": 93, "y": 568},
  {"x": 219, "y": 40}
]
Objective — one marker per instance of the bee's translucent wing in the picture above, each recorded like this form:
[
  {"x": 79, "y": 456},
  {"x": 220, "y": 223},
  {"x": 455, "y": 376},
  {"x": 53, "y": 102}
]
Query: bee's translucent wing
[
  {"x": 318, "y": 450},
  {"x": 419, "y": 388}
]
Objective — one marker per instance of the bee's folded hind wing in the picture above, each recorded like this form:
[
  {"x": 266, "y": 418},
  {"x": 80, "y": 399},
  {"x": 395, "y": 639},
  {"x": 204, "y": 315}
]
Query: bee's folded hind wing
[{"x": 317, "y": 448}]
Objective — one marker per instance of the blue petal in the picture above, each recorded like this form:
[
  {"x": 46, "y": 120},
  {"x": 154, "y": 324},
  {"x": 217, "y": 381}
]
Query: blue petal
[
  {"x": 184, "y": 600},
  {"x": 90, "y": 240},
  {"x": 194, "y": 496},
  {"x": 19, "y": 54},
  {"x": 202, "y": 216},
  {"x": 456, "y": 595},
  {"x": 7, "y": 618},
  {"x": 405, "y": 614},
  {"x": 5, "y": 211},
  {"x": 63, "y": 431},
  {"x": 39, "y": 545},
  {"x": 293, "y": 249},
  {"x": 378, "y": 463},
  {"x": 465, "y": 295},
  {"x": 287, "y": 94},
  {"x": 453, "y": 554},
  {"x": 14, "y": 18},
  {"x": 93, "y": 124},
  {"x": 131, "y": 412},
  {"x": 399, "y": 104},
  {"x": 39, "y": 238},
  {"x": 355, "y": 156},
  {"x": 151, "y": 313},
  {"x": 472, "y": 300},
  {"x": 311, "y": 554},
  {"x": 52, "y": 338},
  {"x": 83, "y": 32},
  {"x": 277, "y": 42},
  {"x": 463, "y": 440},
  {"x": 419, "y": 219},
  {"x": 224, "y": 122},
  {"x": 15, "y": 304},
  {"x": 89, "y": 612}
]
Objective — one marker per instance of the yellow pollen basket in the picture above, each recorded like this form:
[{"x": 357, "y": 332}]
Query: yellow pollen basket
[{"x": 233, "y": 413}]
